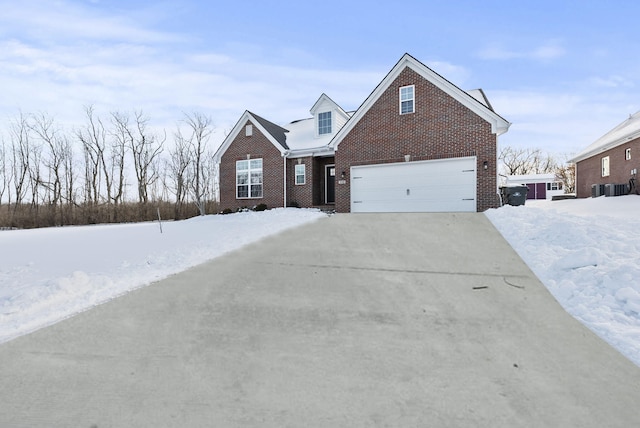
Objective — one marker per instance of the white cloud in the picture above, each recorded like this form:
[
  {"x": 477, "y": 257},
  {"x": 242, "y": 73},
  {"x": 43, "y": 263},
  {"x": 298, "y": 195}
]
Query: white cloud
[
  {"x": 65, "y": 20},
  {"x": 547, "y": 51},
  {"x": 615, "y": 81},
  {"x": 557, "y": 122}
]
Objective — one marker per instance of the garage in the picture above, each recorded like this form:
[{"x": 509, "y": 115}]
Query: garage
[{"x": 443, "y": 185}]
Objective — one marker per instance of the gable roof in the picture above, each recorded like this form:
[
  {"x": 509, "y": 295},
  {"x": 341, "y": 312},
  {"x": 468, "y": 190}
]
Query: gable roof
[
  {"x": 499, "y": 125},
  {"x": 626, "y": 131},
  {"x": 274, "y": 133},
  {"x": 479, "y": 95},
  {"x": 324, "y": 98},
  {"x": 303, "y": 141}
]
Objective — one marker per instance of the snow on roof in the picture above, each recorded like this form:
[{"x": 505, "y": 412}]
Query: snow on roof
[
  {"x": 627, "y": 130},
  {"x": 302, "y": 135},
  {"x": 532, "y": 178}
]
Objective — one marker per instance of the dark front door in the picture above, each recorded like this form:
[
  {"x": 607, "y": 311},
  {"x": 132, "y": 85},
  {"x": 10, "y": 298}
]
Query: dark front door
[{"x": 330, "y": 184}]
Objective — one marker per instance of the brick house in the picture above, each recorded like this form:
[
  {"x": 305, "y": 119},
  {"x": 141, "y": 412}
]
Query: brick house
[
  {"x": 612, "y": 159},
  {"x": 417, "y": 143}
]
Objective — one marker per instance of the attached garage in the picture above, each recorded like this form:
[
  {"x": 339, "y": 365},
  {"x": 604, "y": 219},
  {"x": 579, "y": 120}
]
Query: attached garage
[{"x": 443, "y": 185}]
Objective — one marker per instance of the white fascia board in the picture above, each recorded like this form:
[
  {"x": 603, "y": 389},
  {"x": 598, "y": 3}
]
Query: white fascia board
[
  {"x": 498, "y": 124},
  {"x": 324, "y": 97},
  {"x": 314, "y": 151},
  {"x": 246, "y": 116},
  {"x": 601, "y": 149}
]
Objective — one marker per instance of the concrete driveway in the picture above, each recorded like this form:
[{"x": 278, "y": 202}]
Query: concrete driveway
[{"x": 363, "y": 320}]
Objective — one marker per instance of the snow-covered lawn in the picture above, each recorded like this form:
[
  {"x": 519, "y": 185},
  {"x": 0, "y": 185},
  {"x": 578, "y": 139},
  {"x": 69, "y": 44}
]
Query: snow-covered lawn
[
  {"x": 47, "y": 275},
  {"x": 586, "y": 252}
]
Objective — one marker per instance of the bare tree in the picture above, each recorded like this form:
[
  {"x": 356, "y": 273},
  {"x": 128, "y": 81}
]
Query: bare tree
[
  {"x": 145, "y": 149},
  {"x": 93, "y": 140},
  {"x": 122, "y": 140},
  {"x": 20, "y": 147},
  {"x": 200, "y": 129},
  {"x": 4, "y": 175},
  {"x": 178, "y": 178},
  {"x": 44, "y": 128},
  {"x": 525, "y": 161},
  {"x": 567, "y": 174}
]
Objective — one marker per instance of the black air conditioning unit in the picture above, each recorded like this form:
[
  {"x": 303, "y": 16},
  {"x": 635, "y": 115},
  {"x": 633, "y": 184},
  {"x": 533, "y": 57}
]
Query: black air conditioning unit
[
  {"x": 615, "y": 189},
  {"x": 597, "y": 190}
]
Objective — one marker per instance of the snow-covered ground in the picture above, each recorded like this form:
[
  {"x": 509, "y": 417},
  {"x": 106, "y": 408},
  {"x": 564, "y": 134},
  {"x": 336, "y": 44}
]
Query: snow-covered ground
[
  {"x": 586, "y": 252},
  {"x": 49, "y": 274}
]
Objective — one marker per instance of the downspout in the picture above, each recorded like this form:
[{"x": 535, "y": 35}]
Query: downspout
[{"x": 284, "y": 168}]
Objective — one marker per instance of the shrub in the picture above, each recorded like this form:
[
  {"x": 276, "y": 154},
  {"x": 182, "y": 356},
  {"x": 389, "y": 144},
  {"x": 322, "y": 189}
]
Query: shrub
[
  {"x": 226, "y": 211},
  {"x": 260, "y": 207},
  {"x": 294, "y": 204}
]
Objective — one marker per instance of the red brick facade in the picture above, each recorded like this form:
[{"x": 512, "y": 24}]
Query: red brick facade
[
  {"x": 312, "y": 193},
  {"x": 439, "y": 128},
  {"x": 589, "y": 171},
  {"x": 252, "y": 147}
]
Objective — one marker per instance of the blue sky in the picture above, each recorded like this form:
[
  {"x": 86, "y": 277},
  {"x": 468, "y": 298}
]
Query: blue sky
[{"x": 563, "y": 72}]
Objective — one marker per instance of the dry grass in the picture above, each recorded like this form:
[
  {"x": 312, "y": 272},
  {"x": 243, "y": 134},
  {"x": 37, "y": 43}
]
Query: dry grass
[{"x": 28, "y": 216}]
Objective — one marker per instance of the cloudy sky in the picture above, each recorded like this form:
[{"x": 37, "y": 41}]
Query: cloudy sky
[{"x": 563, "y": 72}]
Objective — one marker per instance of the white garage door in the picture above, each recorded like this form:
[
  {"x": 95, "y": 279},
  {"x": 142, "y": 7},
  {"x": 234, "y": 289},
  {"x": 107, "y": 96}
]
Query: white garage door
[{"x": 443, "y": 185}]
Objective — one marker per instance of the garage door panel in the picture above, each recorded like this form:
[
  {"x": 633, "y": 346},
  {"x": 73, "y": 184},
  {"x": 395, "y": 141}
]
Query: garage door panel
[{"x": 429, "y": 186}]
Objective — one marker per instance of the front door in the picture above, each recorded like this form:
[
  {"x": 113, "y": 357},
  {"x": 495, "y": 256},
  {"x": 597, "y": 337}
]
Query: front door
[{"x": 330, "y": 184}]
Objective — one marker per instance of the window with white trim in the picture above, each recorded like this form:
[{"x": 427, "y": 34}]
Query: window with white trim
[
  {"x": 300, "y": 172},
  {"x": 407, "y": 99},
  {"x": 605, "y": 166},
  {"x": 627, "y": 154},
  {"x": 324, "y": 123},
  {"x": 249, "y": 178},
  {"x": 556, "y": 185}
]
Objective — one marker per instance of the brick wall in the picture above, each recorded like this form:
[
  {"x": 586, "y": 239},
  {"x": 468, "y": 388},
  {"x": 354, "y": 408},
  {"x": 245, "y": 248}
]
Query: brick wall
[
  {"x": 440, "y": 128},
  {"x": 589, "y": 171},
  {"x": 302, "y": 194},
  {"x": 255, "y": 146}
]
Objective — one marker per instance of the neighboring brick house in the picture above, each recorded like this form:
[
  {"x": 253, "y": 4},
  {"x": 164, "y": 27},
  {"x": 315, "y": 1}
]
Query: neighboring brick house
[
  {"x": 417, "y": 143},
  {"x": 612, "y": 159}
]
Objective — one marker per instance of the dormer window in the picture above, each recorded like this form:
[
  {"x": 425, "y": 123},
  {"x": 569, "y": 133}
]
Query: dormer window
[
  {"x": 324, "y": 123},
  {"x": 407, "y": 98}
]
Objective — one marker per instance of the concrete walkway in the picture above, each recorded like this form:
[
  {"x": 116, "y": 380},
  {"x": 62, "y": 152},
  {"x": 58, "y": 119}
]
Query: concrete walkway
[{"x": 364, "y": 320}]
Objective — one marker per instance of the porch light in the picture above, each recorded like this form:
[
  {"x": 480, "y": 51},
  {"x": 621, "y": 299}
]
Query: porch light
[{"x": 485, "y": 165}]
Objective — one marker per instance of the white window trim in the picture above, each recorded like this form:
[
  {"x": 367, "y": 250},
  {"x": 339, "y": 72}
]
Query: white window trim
[
  {"x": 249, "y": 184},
  {"x": 605, "y": 166},
  {"x": 330, "y": 123},
  {"x": 297, "y": 174},
  {"x": 627, "y": 153},
  {"x": 412, "y": 99}
]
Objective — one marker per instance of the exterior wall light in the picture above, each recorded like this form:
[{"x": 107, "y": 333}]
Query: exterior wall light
[{"x": 485, "y": 165}]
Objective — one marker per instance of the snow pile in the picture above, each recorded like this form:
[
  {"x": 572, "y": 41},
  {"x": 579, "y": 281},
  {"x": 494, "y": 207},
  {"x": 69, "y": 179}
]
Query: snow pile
[
  {"x": 587, "y": 253},
  {"x": 49, "y": 274}
]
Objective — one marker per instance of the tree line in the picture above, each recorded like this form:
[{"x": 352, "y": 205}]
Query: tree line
[
  {"x": 111, "y": 168},
  {"x": 525, "y": 161}
]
